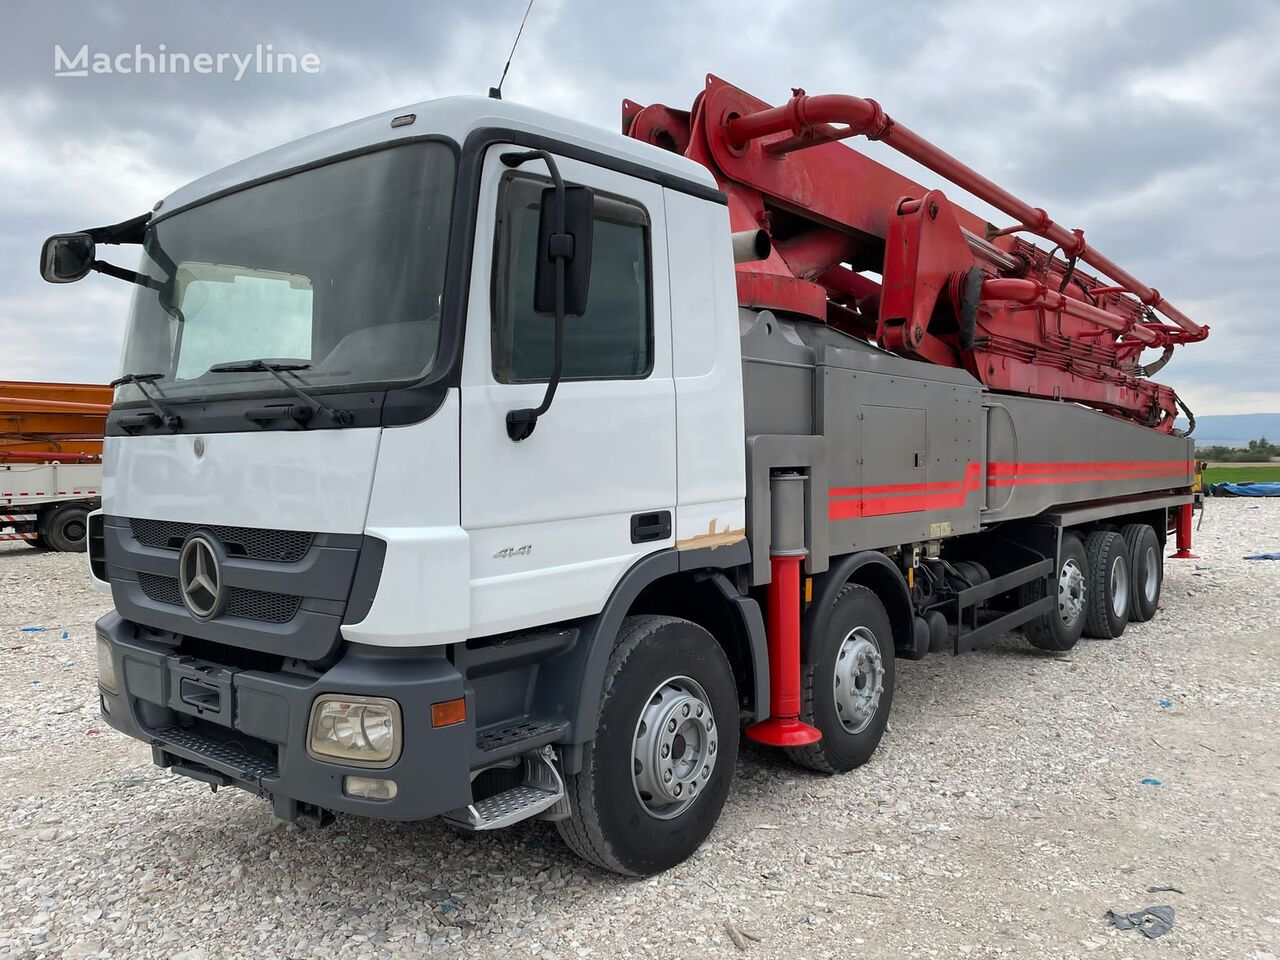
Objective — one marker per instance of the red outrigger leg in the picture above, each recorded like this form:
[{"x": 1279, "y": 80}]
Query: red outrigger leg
[
  {"x": 784, "y": 728},
  {"x": 1183, "y": 527}
]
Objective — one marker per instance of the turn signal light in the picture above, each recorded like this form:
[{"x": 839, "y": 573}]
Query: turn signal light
[{"x": 448, "y": 712}]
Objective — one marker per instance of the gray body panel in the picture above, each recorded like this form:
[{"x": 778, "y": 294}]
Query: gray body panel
[{"x": 900, "y": 451}]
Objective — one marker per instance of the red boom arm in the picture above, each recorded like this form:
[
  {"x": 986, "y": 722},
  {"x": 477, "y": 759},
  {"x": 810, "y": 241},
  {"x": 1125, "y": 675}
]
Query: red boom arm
[{"x": 952, "y": 288}]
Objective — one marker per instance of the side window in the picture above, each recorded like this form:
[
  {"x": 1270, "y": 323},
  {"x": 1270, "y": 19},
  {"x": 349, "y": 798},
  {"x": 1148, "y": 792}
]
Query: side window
[{"x": 614, "y": 338}]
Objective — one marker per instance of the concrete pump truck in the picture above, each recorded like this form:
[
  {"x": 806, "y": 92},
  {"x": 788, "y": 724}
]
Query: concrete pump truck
[{"x": 468, "y": 461}]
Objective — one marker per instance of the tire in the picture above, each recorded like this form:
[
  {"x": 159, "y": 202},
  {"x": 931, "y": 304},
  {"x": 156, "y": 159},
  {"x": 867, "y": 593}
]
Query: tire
[
  {"x": 658, "y": 664},
  {"x": 1146, "y": 571},
  {"x": 1060, "y": 629},
  {"x": 856, "y": 626},
  {"x": 1109, "y": 594},
  {"x": 66, "y": 528}
]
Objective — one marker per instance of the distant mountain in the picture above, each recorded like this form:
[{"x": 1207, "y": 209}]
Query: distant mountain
[{"x": 1235, "y": 430}]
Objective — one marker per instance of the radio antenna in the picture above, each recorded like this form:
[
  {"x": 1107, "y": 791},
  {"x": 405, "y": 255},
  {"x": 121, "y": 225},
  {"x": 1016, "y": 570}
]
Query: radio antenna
[{"x": 495, "y": 93}]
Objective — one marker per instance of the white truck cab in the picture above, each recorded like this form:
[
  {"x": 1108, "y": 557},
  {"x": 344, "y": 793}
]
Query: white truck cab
[
  {"x": 362, "y": 520},
  {"x": 483, "y": 535}
]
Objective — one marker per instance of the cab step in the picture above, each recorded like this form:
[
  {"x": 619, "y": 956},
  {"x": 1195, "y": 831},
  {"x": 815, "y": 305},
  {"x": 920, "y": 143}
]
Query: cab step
[
  {"x": 512, "y": 739},
  {"x": 541, "y": 793}
]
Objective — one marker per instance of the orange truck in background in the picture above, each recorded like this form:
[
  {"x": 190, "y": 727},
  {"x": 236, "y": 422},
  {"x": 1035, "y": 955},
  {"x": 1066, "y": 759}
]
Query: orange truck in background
[{"x": 50, "y": 461}]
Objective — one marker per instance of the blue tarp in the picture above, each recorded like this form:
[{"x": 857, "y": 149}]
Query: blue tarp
[{"x": 1225, "y": 489}]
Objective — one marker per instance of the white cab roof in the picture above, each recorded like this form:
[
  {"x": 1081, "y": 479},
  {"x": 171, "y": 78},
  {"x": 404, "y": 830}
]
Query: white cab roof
[{"x": 454, "y": 117}]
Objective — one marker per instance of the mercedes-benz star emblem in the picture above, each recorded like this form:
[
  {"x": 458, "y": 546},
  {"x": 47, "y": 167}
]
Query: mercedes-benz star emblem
[{"x": 200, "y": 578}]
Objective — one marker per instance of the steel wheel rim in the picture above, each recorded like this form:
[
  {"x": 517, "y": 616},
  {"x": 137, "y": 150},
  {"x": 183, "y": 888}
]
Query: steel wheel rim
[
  {"x": 674, "y": 749},
  {"x": 858, "y": 680},
  {"x": 1119, "y": 587},
  {"x": 1151, "y": 581},
  {"x": 1070, "y": 592}
]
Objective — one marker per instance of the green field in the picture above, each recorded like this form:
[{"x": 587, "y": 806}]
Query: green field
[{"x": 1242, "y": 472}]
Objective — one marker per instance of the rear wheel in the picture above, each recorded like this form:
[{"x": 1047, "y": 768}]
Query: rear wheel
[
  {"x": 1146, "y": 570},
  {"x": 1061, "y": 627},
  {"x": 65, "y": 528},
  {"x": 1109, "y": 585},
  {"x": 654, "y": 780},
  {"x": 846, "y": 682}
]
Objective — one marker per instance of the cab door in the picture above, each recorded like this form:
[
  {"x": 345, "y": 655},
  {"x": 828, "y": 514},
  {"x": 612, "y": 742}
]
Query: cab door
[{"x": 555, "y": 520}]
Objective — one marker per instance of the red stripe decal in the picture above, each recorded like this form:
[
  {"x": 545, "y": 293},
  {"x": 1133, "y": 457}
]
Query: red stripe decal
[
  {"x": 897, "y": 488},
  {"x": 847, "y": 503},
  {"x": 912, "y": 498},
  {"x": 1082, "y": 478},
  {"x": 1002, "y": 469}
]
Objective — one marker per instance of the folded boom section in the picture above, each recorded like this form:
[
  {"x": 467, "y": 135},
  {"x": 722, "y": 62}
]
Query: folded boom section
[
  {"x": 874, "y": 254},
  {"x": 52, "y": 421}
]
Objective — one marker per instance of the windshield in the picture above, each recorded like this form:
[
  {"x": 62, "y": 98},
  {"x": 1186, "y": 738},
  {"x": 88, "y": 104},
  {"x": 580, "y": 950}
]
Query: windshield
[{"x": 340, "y": 268}]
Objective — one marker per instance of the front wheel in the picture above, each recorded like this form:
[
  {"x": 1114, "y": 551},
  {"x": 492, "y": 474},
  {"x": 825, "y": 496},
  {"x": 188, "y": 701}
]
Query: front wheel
[
  {"x": 656, "y": 776},
  {"x": 847, "y": 677}
]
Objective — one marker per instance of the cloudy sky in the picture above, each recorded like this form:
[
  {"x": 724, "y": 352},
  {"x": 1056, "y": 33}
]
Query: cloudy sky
[{"x": 1155, "y": 126}]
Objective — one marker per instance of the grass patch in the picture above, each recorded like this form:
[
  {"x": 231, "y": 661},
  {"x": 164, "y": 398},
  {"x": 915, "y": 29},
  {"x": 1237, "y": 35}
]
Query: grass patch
[{"x": 1243, "y": 473}]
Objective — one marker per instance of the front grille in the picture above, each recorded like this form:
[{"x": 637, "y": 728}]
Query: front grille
[
  {"x": 260, "y": 605},
  {"x": 255, "y": 543},
  {"x": 249, "y": 604},
  {"x": 161, "y": 589}
]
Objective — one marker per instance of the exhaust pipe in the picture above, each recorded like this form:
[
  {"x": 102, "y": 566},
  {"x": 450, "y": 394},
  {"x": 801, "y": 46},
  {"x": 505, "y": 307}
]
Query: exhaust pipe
[{"x": 750, "y": 246}]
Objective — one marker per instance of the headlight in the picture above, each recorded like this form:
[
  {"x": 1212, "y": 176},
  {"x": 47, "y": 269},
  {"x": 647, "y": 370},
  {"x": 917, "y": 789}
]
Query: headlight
[
  {"x": 362, "y": 731},
  {"x": 107, "y": 667}
]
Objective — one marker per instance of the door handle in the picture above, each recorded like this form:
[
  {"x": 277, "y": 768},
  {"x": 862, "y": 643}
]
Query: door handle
[{"x": 646, "y": 527}]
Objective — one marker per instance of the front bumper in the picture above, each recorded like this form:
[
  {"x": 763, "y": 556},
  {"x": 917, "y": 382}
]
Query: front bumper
[{"x": 248, "y": 728}]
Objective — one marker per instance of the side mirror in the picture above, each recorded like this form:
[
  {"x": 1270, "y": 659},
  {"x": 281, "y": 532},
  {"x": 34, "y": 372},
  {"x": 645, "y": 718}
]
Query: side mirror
[
  {"x": 66, "y": 257},
  {"x": 574, "y": 246}
]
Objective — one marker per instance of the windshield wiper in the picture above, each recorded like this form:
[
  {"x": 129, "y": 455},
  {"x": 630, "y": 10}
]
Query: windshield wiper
[
  {"x": 278, "y": 370},
  {"x": 168, "y": 420}
]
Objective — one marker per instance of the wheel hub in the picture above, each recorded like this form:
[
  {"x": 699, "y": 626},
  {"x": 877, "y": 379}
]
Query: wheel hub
[
  {"x": 674, "y": 750},
  {"x": 858, "y": 680},
  {"x": 1070, "y": 592},
  {"x": 1151, "y": 582},
  {"x": 1119, "y": 587}
]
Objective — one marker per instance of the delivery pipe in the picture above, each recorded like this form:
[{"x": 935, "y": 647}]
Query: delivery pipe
[
  {"x": 750, "y": 246},
  {"x": 1035, "y": 294},
  {"x": 809, "y": 118}
]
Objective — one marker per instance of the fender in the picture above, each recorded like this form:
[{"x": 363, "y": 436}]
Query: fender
[
  {"x": 873, "y": 569},
  {"x": 583, "y": 667}
]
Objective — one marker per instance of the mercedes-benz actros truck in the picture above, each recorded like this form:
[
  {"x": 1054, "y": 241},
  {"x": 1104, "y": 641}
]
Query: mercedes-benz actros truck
[{"x": 468, "y": 461}]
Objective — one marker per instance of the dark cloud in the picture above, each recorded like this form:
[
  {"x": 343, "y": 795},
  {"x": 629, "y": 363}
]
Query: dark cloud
[{"x": 1152, "y": 124}]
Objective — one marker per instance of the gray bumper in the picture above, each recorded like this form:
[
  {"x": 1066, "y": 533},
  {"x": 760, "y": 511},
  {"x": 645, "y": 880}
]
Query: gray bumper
[{"x": 249, "y": 729}]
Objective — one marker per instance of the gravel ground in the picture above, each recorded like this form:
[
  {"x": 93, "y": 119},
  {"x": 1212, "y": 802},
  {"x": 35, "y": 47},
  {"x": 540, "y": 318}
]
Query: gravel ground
[{"x": 1016, "y": 798}]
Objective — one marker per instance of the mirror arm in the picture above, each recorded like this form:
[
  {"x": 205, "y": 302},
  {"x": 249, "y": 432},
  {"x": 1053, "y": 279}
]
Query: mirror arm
[
  {"x": 521, "y": 422},
  {"x": 127, "y": 231},
  {"x": 129, "y": 276}
]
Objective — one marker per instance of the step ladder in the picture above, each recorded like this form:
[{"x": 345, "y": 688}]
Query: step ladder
[{"x": 541, "y": 794}]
